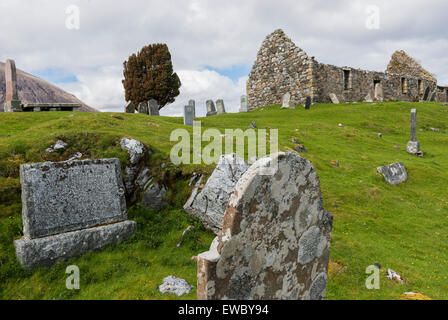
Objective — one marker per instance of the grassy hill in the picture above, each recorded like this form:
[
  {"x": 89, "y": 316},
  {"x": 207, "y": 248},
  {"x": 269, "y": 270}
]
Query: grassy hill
[{"x": 401, "y": 227}]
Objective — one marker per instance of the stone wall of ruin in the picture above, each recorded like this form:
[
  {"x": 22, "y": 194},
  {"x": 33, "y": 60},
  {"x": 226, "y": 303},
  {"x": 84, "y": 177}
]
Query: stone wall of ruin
[
  {"x": 331, "y": 79},
  {"x": 280, "y": 67}
]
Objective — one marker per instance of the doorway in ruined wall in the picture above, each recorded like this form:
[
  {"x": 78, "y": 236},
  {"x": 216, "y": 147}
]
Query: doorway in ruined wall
[
  {"x": 378, "y": 90},
  {"x": 426, "y": 95}
]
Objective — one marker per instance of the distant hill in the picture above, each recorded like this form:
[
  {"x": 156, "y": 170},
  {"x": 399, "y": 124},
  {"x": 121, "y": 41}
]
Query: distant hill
[{"x": 35, "y": 90}]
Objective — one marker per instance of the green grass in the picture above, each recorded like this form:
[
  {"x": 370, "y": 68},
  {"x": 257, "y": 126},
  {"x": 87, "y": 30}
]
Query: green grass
[{"x": 401, "y": 227}]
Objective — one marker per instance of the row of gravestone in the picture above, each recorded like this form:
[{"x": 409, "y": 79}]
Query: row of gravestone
[
  {"x": 151, "y": 107},
  {"x": 289, "y": 103}
]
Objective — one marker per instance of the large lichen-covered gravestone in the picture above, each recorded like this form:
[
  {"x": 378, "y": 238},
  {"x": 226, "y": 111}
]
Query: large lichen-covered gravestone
[
  {"x": 69, "y": 208},
  {"x": 211, "y": 110},
  {"x": 275, "y": 240},
  {"x": 209, "y": 205},
  {"x": 220, "y": 108}
]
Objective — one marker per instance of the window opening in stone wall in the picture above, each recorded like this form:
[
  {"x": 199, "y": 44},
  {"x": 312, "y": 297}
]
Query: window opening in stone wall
[
  {"x": 404, "y": 85},
  {"x": 420, "y": 87},
  {"x": 347, "y": 80}
]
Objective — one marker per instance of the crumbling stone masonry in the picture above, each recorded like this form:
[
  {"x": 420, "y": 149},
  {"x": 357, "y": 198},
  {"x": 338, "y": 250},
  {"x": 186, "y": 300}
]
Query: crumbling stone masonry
[
  {"x": 275, "y": 239},
  {"x": 282, "y": 67}
]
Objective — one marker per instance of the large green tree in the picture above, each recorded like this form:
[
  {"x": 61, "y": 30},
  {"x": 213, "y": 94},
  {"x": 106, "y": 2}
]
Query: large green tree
[{"x": 149, "y": 75}]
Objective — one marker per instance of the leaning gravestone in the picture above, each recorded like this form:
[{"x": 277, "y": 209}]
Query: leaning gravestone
[
  {"x": 69, "y": 208},
  {"x": 394, "y": 173},
  {"x": 287, "y": 102},
  {"x": 275, "y": 240},
  {"x": 220, "y": 106},
  {"x": 209, "y": 205},
  {"x": 243, "y": 103},
  {"x": 188, "y": 115},
  {"x": 153, "y": 108},
  {"x": 413, "y": 146},
  {"x": 143, "y": 108},
  {"x": 129, "y": 107},
  {"x": 211, "y": 111},
  {"x": 334, "y": 99},
  {"x": 12, "y": 102}
]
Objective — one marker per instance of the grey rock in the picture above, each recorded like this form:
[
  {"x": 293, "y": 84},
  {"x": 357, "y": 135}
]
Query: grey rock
[
  {"x": 45, "y": 251},
  {"x": 176, "y": 286},
  {"x": 154, "y": 197},
  {"x": 59, "y": 145},
  {"x": 143, "y": 178},
  {"x": 394, "y": 173},
  {"x": 413, "y": 147},
  {"x": 253, "y": 125},
  {"x": 300, "y": 148},
  {"x": 134, "y": 148},
  {"x": 76, "y": 156},
  {"x": 66, "y": 196},
  {"x": 210, "y": 204}
]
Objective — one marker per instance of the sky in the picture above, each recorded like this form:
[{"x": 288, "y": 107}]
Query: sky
[{"x": 80, "y": 45}]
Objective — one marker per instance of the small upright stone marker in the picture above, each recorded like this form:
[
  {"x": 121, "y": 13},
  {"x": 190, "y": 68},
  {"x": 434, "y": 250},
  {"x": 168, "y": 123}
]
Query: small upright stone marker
[
  {"x": 308, "y": 103},
  {"x": 153, "y": 107},
  {"x": 143, "y": 108},
  {"x": 192, "y": 103},
  {"x": 188, "y": 115},
  {"x": 129, "y": 107},
  {"x": 211, "y": 111},
  {"x": 220, "y": 106},
  {"x": 287, "y": 102},
  {"x": 243, "y": 105},
  {"x": 413, "y": 146},
  {"x": 275, "y": 240},
  {"x": 69, "y": 208},
  {"x": 12, "y": 102},
  {"x": 334, "y": 99}
]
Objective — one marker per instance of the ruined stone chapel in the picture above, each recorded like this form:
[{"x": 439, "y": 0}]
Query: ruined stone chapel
[{"x": 281, "y": 67}]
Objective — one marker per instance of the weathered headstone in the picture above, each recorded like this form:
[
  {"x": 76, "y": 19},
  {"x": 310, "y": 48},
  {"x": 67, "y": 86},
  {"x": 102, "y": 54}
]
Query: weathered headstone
[
  {"x": 334, "y": 99},
  {"x": 275, "y": 240},
  {"x": 413, "y": 146},
  {"x": 129, "y": 107},
  {"x": 143, "y": 108},
  {"x": 394, "y": 173},
  {"x": 209, "y": 205},
  {"x": 153, "y": 107},
  {"x": 287, "y": 102},
  {"x": 307, "y": 103},
  {"x": 211, "y": 111},
  {"x": 220, "y": 106},
  {"x": 12, "y": 102},
  {"x": 243, "y": 103},
  {"x": 69, "y": 208},
  {"x": 192, "y": 103},
  {"x": 188, "y": 115}
]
